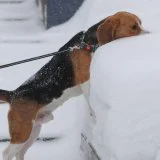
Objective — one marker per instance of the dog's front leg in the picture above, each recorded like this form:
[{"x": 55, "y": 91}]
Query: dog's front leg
[{"x": 33, "y": 137}]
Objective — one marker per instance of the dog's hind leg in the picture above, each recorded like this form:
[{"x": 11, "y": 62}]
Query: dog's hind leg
[
  {"x": 41, "y": 118},
  {"x": 11, "y": 151},
  {"x": 20, "y": 127},
  {"x": 33, "y": 137}
]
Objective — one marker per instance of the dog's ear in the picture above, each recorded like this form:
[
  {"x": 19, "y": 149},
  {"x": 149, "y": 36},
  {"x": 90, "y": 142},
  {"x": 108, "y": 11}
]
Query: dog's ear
[{"x": 106, "y": 31}]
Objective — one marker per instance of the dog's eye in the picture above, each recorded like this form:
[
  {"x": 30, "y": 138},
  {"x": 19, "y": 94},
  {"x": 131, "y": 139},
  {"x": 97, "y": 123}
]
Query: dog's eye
[{"x": 134, "y": 27}]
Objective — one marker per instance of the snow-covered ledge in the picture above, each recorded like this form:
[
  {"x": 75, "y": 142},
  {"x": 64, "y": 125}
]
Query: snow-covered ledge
[{"x": 125, "y": 94}]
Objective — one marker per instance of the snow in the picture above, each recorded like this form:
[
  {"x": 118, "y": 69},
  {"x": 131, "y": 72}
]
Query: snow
[
  {"x": 125, "y": 89},
  {"x": 27, "y": 16},
  {"x": 124, "y": 81}
]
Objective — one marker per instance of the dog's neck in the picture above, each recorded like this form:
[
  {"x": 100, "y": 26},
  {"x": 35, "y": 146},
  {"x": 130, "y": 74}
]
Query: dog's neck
[
  {"x": 91, "y": 34},
  {"x": 84, "y": 43},
  {"x": 89, "y": 44},
  {"x": 84, "y": 40}
]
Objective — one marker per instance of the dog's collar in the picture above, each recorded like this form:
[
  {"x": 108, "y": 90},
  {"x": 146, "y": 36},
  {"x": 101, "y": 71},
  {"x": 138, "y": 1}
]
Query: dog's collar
[{"x": 86, "y": 46}]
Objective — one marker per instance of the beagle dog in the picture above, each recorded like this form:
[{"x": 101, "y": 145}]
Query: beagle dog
[{"x": 32, "y": 103}]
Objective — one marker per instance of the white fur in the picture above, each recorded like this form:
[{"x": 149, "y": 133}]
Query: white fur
[
  {"x": 19, "y": 150},
  {"x": 44, "y": 117},
  {"x": 10, "y": 152},
  {"x": 33, "y": 137},
  {"x": 67, "y": 94}
]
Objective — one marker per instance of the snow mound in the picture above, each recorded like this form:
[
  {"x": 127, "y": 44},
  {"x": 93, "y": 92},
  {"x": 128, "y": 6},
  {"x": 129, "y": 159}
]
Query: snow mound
[{"x": 125, "y": 77}]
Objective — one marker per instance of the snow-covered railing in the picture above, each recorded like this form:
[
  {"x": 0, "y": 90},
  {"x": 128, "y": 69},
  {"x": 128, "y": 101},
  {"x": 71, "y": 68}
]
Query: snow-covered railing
[{"x": 42, "y": 4}]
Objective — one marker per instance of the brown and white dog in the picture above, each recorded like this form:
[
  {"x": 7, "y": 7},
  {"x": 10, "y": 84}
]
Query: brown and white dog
[{"x": 32, "y": 103}]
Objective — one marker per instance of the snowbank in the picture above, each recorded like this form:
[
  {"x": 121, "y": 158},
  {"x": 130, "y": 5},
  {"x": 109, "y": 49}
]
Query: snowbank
[
  {"x": 125, "y": 76},
  {"x": 125, "y": 86}
]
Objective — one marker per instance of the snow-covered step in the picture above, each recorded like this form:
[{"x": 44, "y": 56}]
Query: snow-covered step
[
  {"x": 19, "y": 17},
  {"x": 25, "y": 7},
  {"x": 11, "y": 16},
  {"x": 11, "y": 1},
  {"x": 22, "y": 8},
  {"x": 17, "y": 8},
  {"x": 11, "y": 19},
  {"x": 20, "y": 41},
  {"x": 27, "y": 27}
]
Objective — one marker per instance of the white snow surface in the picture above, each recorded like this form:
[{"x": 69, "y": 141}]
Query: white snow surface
[{"x": 125, "y": 88}]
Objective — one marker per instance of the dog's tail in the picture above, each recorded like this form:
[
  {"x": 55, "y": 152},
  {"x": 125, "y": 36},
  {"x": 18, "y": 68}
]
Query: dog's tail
[{"x": 5, "y": 96}]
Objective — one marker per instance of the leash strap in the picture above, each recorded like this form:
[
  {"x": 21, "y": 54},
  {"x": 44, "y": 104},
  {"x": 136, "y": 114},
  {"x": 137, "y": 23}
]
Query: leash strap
[{"x": 32, "y": 59}]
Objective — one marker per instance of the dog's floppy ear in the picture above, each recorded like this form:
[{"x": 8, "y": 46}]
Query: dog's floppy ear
[{"x": 106, "y": 31}]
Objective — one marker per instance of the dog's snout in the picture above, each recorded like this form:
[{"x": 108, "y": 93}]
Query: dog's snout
[{"x": 145, "y": 31}]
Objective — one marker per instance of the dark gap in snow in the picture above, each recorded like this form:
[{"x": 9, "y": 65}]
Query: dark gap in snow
[
  {"x": 88, "y": 148},
  {"x": 40, "y": 139},
  {"x": 14, "y": 19}
]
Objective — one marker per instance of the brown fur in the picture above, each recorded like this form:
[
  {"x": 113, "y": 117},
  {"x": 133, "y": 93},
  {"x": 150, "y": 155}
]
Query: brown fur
[
  {"x": 117, "y": 26},
  {"x": 20, "y": 118},
  {"x": 81, "y": 60}
]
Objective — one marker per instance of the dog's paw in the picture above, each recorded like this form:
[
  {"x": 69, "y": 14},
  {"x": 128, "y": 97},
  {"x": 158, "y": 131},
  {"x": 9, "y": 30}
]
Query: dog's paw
[{"x": 44, "y": 117}]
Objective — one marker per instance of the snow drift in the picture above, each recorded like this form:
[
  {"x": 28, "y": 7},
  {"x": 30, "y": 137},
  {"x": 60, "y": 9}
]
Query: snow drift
[{"x": 125, "y": 76}]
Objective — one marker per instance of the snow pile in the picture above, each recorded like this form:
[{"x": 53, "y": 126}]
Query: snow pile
[{"x": 125, "y": 89}]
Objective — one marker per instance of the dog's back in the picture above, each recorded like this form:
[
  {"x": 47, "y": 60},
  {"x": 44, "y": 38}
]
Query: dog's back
[{"x": 50, "y": 81}]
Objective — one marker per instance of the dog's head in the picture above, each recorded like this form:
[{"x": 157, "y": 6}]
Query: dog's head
[{"x": 121, "y": 24}]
